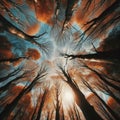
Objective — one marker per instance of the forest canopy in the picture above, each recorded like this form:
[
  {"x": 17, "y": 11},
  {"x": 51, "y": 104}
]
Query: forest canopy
[{"x": 59, "y": 59}]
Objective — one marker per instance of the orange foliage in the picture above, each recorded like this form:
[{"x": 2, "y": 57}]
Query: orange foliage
[
  {"x": 44, "y": 10},
  {"x": 30, "y": 4},
  {"x": 96, "y": 65},
  {"x": 20, "y": 2},
  {"x": 113, "y": 105},
  {"x": 33, "y": 29},
  {"x": 25, "y": 99},
  {"x": 25, "y": 102},
  {"x": 7, "y": 4},
  {"x": 90, "y": 96},
  {"x": 5, "y": 54},
  {"x": 82, "y": 16},
  {"x": 33, "y": 53},
  {"x": 110, "y": 101},
  {"x": 15, "y": 90},
  {"x": 16, "y": 63}
]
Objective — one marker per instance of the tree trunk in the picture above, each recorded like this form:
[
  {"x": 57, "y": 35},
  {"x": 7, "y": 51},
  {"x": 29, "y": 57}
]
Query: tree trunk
[{"x": 88, "y": 111}]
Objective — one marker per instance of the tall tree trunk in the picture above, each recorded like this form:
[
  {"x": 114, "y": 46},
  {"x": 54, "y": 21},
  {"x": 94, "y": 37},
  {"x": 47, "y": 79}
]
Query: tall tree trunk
[
  {"x": 103, "y": 102},
  {"x": 41, "y": 105},
  {"x": 105, "y": 55},
  {"x": 9, "y": 108},
  {"x": 88, "y": 110}
]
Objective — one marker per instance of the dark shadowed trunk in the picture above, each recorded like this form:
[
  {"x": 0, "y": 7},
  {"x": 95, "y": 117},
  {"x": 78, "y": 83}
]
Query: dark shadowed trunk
[
  {"x": 88, "y": 110},
  {"x": 68, "y": 13},
  {"x": 9, "y": 107},
  {"x": 106, "y": 55},
  {"x": 17, "y": 113},
  {"x": 6, "y": 86},
  {"x": 41, "y": 105},
  {"x": 77, "y": 113},
  {"x": 13, "y": 59},
  {"x": 6, "y": 25},
  {"x": 108, "y": 82},
  {"x": 33, "y": 117},
  {"x": 11, "y": 74},
  {"x": 57, "y": 115},
  {"x": 103, "y": 102},
  {"x": 96, "y": 23}
]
